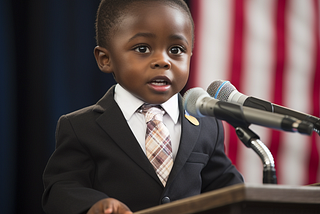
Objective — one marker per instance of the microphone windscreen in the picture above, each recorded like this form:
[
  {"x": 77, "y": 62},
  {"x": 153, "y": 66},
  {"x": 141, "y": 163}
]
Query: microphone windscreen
[
  {"x": 190, "y": 99},
  {"x": 220, "y": 89}
]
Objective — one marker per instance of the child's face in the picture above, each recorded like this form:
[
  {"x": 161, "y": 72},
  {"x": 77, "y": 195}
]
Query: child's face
[{"x": 150, "y": 52}]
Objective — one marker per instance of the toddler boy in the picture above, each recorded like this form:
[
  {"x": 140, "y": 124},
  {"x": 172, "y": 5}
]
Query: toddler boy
[{"x": 100, "y": 163}]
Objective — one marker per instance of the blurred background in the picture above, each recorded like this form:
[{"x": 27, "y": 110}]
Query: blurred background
[{"x": 266, "y": 48}]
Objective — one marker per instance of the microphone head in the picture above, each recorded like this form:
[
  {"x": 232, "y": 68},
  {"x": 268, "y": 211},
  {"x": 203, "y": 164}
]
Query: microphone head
[
  {"x": 190, "y": 99},
  {"x": 221, "y": 90}
]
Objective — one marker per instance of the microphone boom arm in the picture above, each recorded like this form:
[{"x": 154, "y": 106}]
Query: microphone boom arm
[{"x": 251, "y": 140}]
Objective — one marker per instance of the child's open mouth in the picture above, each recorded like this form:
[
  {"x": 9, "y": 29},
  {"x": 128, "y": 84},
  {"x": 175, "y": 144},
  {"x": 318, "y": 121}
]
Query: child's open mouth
[{"x": 159, "y": 82}]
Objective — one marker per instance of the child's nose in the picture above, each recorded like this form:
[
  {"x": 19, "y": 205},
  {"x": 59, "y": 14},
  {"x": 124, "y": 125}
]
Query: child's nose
[{"x": 161, "y": 61}]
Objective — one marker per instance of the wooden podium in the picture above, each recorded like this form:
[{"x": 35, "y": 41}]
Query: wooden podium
[{"x": 246, "y": 198}]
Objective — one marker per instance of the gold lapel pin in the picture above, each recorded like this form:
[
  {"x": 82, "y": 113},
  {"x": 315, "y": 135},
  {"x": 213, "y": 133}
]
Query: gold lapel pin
[{"x": 191, "y": 119}]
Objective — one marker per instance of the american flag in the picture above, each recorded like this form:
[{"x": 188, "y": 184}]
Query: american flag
[{"x": 269, "y": 49}]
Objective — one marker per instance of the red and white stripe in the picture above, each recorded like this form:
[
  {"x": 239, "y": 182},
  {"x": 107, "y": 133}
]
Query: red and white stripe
[{"x": 269, "y": 49}]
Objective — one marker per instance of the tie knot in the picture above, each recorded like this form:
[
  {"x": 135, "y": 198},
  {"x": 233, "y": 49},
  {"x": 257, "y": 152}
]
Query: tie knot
[{"x": 152, "y": 112}]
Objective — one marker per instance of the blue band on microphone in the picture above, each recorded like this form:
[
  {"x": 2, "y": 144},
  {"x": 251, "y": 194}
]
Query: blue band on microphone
[{"x": 218, "y": 91}]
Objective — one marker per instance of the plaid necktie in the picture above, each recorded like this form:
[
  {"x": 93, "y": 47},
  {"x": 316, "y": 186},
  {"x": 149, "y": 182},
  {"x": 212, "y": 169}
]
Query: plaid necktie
[{"x": 158, "y": 143}]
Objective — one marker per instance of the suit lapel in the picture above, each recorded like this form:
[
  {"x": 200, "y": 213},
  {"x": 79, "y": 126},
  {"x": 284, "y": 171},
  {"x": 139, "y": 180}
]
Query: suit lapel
[
  {"x": 114, "y": 124},
  {"x": 189, "y": 136}
]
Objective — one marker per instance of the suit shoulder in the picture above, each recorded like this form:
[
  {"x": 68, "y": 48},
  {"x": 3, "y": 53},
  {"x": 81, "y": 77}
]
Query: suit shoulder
[{"x": 83, "y": 112}]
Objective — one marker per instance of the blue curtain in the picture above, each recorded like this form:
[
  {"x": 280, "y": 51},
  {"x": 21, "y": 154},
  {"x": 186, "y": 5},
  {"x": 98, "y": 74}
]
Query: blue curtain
[
  {"x": 7, "y": 110},
  {"x": 47, "y": 68}
]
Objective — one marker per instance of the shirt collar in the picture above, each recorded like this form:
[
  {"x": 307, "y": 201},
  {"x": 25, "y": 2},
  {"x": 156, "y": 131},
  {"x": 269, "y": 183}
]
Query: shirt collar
[
  {"x": 172, "y": 108},
  {"x": 123, "y": 97}
]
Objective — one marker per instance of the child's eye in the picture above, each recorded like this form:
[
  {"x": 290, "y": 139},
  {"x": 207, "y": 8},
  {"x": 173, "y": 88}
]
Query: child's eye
[
  {"x": 176, "y": 50},
  {"x": 142, "y": 49}
]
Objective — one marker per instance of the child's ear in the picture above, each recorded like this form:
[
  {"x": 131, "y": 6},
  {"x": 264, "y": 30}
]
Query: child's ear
[{"x": 102, "y": 56}]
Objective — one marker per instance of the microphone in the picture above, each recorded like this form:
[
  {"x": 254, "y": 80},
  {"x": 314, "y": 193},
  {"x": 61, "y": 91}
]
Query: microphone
[
  {"x": 198, "y": 103},
  {"x": 225, "y": 91}
]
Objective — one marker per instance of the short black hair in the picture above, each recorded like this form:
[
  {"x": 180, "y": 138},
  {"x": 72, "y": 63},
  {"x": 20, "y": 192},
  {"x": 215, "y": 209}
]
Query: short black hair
[{"x": 110, "y": 12}]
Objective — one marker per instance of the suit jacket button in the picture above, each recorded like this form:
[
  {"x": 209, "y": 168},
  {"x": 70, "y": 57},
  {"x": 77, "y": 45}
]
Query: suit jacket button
[{"x": 165, "y": 200}]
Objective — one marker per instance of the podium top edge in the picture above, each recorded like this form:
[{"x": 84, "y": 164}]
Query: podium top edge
[{"x": 246, "y": 192}]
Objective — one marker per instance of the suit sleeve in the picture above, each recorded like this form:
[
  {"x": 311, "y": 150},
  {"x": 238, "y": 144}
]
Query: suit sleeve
[
  {"x": 219, "y": 171},
  {"x": 68, "y": 175}
]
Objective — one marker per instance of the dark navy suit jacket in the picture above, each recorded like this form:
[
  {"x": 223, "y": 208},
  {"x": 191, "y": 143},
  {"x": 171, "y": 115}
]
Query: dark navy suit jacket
[{"x": 97, "y": 156}]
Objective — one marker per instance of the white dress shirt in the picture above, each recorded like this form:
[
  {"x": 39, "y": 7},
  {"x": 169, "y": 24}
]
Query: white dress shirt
[{"x": 129, "y": 105}]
